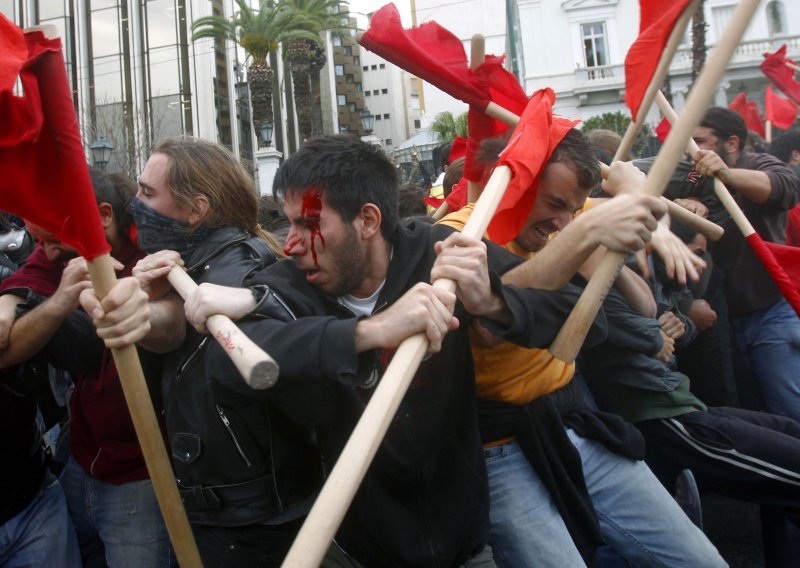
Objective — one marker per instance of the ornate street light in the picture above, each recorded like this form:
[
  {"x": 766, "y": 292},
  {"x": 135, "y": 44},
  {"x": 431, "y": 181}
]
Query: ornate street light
[
  {"x": 101, "y": 152},
  {"x": 266, "y": 133},
  {"x": 367, "y": 120}
]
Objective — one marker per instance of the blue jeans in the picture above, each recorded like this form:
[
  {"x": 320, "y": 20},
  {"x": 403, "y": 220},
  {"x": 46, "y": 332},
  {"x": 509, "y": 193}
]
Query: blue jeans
[
  {"x": 41, "y": 534},
  {"x": 117, "y": 525},
  {"x": 637, "y": 516},
  {"x": 766, "y": 350}
]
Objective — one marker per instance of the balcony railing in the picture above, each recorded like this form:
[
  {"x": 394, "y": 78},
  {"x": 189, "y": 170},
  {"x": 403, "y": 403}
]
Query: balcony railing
[
  {"x": 592, "y": 78},
  {"x": 747, "y": 51}
]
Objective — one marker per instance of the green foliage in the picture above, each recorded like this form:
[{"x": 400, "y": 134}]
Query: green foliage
[
  {"x": 646, "y": 144},
  {"x": 449, "y": 126}
]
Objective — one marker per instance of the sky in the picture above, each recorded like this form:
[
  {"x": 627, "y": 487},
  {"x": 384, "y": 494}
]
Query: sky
[{"x": 367, "y": 6}]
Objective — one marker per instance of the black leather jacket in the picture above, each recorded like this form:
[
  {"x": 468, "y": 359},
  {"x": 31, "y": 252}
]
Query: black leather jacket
[{"x": 238, "y": 459}]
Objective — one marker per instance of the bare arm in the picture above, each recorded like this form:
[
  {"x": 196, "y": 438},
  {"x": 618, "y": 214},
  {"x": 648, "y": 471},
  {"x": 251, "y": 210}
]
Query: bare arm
[
  {"x": 753, "y": 185},
  {"x": 8, "y": 313}
]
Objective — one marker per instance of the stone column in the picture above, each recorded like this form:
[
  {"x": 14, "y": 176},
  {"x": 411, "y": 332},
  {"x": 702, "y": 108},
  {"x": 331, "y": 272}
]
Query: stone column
[{"x": 267, "y": 161}]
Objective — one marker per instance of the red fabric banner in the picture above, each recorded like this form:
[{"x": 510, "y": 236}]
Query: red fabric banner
[
  {"x": 779, "y": 111},
  {"x": 657, "y": 18},
  {"x": 774, "y": 66},
  {"x": 783, "y": 264},
  {"x": 662, "y": 130},
  {"x": 749, "y": 112},
  {"x": 429, "y": 52},
  {"x": 44, "y": 174},
  {"x": 458, "y": 149},
  {"x": 534, "y": 139}
]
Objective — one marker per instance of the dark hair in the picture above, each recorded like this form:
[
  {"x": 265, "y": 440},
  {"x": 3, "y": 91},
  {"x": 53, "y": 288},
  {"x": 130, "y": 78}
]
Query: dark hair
[
  {"x": 684, "y": 232},
  {"x": 783, "y": 145},
  {"x": 117, "y": 190},
  {"x": 606, "y": 142},
  {"x": 350, "y": 172},
  {"x": 410, "y": 203},
  {"x": 441, "y": 155},
  {"x": 575, "y": 150},
  {"x": 725, "y": 123},
  {"x": 452, "y": 176}
]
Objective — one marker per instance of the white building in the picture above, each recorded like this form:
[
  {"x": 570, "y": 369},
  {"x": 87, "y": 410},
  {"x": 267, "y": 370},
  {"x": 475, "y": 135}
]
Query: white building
[{"x": 578, "y": 48}]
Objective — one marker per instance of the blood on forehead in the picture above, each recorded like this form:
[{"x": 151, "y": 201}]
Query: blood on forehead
[{"x": 310, "y": 211}]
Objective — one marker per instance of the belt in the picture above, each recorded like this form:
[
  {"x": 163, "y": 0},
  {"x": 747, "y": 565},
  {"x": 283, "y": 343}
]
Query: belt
[{"x": 213, "y": 497}]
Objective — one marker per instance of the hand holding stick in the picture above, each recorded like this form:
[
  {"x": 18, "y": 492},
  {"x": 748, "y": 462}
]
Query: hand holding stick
[{"x": 258, "y": 369}]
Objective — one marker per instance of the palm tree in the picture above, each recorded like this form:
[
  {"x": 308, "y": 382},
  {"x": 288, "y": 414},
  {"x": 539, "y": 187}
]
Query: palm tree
[
  {"x": 259, "y": 32},
  {"x": 449, "y": 126},
  {"x": 307, "y": 58},
  {"x": 699, "y": 47}
]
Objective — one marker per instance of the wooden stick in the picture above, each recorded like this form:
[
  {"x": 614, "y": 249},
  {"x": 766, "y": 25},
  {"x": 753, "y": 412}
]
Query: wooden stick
[
  {"x": 328, "y": 511},
  {"x": 768, "y": 136},
  {"x": 258, "y": 369},
  {"x": 722, "y": 192},
  {"x": 654, "y": 87},
  {"x": 140, "y": 405},
  {"x": 443, "y": 210},
  {"x": 791, "y": 65},
  {"x": 477, "y": 57},
  {"x": 570, "y": 338}
]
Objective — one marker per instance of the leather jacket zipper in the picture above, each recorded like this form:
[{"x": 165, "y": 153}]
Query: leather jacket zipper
[
  {"x": 227, "y": 424},
  {"x": 189, "y": 359}
]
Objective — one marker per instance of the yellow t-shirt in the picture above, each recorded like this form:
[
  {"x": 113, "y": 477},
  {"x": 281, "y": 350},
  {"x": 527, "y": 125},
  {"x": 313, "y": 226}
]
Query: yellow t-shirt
[{"x": 508, "y": 372}]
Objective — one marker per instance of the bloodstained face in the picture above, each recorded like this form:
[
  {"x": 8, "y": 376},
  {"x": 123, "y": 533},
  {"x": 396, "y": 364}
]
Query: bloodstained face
[
  {"x": 322, "y": 244},
  {"x": 558, "y": 198},
  {"x": 54, "y": 249}
]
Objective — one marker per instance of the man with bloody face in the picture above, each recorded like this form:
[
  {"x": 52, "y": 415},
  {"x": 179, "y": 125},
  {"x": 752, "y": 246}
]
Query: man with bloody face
[{"x": 357, "y": 284}]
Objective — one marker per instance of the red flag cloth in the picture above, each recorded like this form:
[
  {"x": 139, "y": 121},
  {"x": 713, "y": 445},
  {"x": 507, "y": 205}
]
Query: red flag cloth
[
  {"x": 505, "y": 91},
  {"x": 44, "y": 174},
  {"x": 774, "y": 66},
  {"x": 662, "y": 130},
  {"x": 657, "y": 18},
  {"x": 749, "y": 112},
  {"x": 534, "y": 139},
  {"x": 459, "y": 196},
  {"x": 458, "y": 149},
  {"x": 428, "y": 51},
  {"x": 779, "y": 111},
  {"x": 783, "y": 264}
]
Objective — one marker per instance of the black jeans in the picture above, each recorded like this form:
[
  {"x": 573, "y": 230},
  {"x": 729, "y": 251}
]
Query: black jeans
[{"x": 261, "y": 546}]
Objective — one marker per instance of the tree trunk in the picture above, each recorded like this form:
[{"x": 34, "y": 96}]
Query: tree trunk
[
  {"x": 259, "y": 80},
  {"x": 699, "y": 47},
  {"x": 299, "y": 55}
]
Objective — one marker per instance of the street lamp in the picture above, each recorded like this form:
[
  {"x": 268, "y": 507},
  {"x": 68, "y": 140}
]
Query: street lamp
[
  {"x": 367, "y": 120},
  {"x": 101, "y": 152},
  {"x": 266, "y": 133}
]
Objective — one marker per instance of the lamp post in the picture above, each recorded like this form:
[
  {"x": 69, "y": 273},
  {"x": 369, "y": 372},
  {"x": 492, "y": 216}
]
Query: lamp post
[
  {"x": 101, "y": 152},
  {"x": 367, "y": 121},
  {"x": 266, "y": 133}
]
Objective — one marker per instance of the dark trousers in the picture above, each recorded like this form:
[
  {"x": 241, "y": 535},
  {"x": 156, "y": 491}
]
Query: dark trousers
[
  {"x": 258, "y": 546},
  {"x": 746, "y": 455}
]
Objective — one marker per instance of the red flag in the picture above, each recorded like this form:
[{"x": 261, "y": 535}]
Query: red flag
[
  {"x": 779, "y": 111},
  {"x": 749, "y": 112},
  {"x": 44, "y": 174},
  {"x": 657, "y": 18},
  {"x": 458, "y": 149},
  {"x": 428, "y": 51},
  {"x": 662, "y": 130},
  {"x": 535, "y": 137},
  {"x": 783, "y": 264},
  {"x": 774, "y": 66},
  {"x": 505, "y": 91},
  {"x": 459, "y": 196}
]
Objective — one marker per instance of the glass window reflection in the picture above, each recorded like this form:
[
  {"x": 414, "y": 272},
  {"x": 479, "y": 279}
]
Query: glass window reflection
[
  {"x": 163, "y": 71},
  {"x": 107, "y": 80},
  {"x": 105, "y": 32},
  {"x": 161, "y": 23},
  {"x": 50, "y": 9}
]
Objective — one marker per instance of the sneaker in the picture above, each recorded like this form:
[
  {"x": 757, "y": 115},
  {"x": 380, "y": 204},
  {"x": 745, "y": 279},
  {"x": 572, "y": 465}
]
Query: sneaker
[{"x": 688, "y": 497}]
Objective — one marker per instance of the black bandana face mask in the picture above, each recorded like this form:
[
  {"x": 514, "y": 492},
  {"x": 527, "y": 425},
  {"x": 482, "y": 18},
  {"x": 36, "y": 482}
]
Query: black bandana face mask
[{"x": 155, "y": 232}]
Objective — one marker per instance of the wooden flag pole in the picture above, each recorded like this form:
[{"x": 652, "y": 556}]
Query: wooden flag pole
[
  {"x": 330, "y": 507},
  {"x": 570, "y": 339},
  {"x": 768, "y": 134},
  {"x": 140, "y": 405},
  {"x": 654, "y": 87},
  {"x": 258, "y": 369},
  {"x": 791, "y": 65}
]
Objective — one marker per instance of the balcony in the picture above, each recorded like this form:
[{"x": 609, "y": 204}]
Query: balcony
[
  {"x": 747, "y": 52},
  {"x": 604, "y": 77}
]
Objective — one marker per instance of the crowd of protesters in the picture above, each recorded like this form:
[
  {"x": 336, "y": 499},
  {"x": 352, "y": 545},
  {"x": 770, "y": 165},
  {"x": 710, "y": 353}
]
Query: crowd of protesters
[{"x": 499, "y": 454}]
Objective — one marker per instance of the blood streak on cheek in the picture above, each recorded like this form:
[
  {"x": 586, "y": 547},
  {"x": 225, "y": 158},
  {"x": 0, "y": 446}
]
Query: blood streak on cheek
[{"x": 311, "y": 211}]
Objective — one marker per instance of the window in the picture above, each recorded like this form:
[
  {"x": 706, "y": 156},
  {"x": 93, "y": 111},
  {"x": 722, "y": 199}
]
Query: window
[
  {"x": 344, "y": 129},
  {"x": 367, "y": 93},
  {"x": 386, "y": 116},
  {"x": 376, "y": 92},
  {"x": 337, "y": 40},
  {"x": 365, "y": 68},
  {"x": 417, "y": 123},
  {"x": 388, "y": 141},
  {"x": 721, "y": 16},
  {"x": 383, "y": 65},
  {"x": 341, "y": 100},
  {"x": 348, "y": 50},
  {"x": 594, "y": 44},
  {"x": 776, "y": 18},
  {"x": 356, "y": 60},
  {"x": 384, "y": 91},
  {"x": 351, "y": 107},
  {"x": 374, "y": 67},
  {"x": 339, "y": 70},
  {"x": 377, "y": 117}
]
